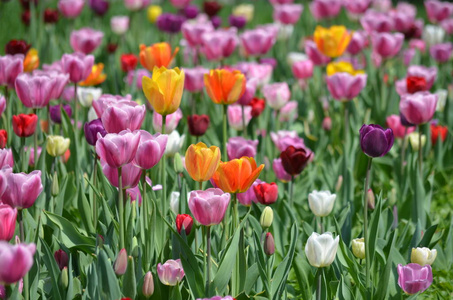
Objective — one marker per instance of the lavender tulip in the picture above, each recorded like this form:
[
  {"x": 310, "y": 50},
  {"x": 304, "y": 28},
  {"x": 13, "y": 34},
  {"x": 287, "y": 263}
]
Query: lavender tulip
[
  {"x": 375, "y": 141},
  {"x": 257, "y": 42},
  {"x": 387, "y": 44},
  {"x": 107, "y": 100},
  {"x": 122, "y": 116},
  {"x": 238, "y": 147},
  {"x": 209, "y": 206},
  {"x": 344, "y": 86},
  {"x": 23, "y": 189},
  {"x": 277, "y": 94},
  {"x": 71, "y": 8},
  {"x": 413, "y": 278},
  {"x": 130, "y": 175},
  {"x": 34, "y": 91},
  {"x": 322, "y": 9},
  {"x": 194, "y": 79},
  {"x": 235, "y": 119},
  {"x": 77, "y": 65},
  {"x": 171, "y": 272},
  {"x": 86, "y": 40},
  {"x": 441, "y": 52},
  {"x": 6, "y": 158},
  {"x": 171, "y": 121},
  {"x": 150, "y": 149},
  {"x": 418, "y": 108}
]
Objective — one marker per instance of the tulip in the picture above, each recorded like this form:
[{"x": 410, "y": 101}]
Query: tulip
[
  {"x": 10, "y": 67},
  {"x": 31, "y": 60},
  {"x": 119, "y": 24},
  {"x": 171, "y": 121},
  {"x": 17, "y": 47},
  {"x": 423, "y": 256},
  {"x": 61, "y": 258},
  {"x": 122, "y": 116},
  {"x": 193, "y": 32},
  {"x": 321, "y": 202},
  {"x": 283, "y": 139},
  {"x": 184, "y": 222},
  {"x": 34, "y": 91},
  {"x": 266, "y": 193},
  {"x": 287, "y": 13},
  {"x": 77, "y": 65},
  {"x": 373, "y": 21},
  {"x": 358, "y": 42},
  {"x": 164, "y": 90},
  {"x": 235, "y": 118},
  {"x": 447, "y": 26},
  {"x": 413, "y": 85},
  {"x": 157, "y": 55},
  {"x": 418, "y": 108},
  {"x": 99, "y": 7},
  {"x": 387, "y": 44},
  {"x": 267, "y": 217},
  {"x": 428, "y": 73},
  {"x": 303, "y": 69},
  {"x": 153, "y": 12},
  {"x": 148, "y": 285},
  {"x": 194, "y": 79},
  {"x": 6, "y": 158},
  {"x": 86, "y": 40},
  {"x": 8, "y": 217},
  {"x": 198, "y": 124},
  {"x": 237, "y": 175},
  {"x": 438, "y": 131},
  {"x": 327, "y": 124},
  {"x": 414, "y": 140},
  {"x": 70, "y": 8},
  {"x": 150, "y": 149},
  {"x": 119, "y": 149},
  {"x": 269, "y": 244},
  {"x": 86, "y": 96},
  {"x": 294, "y": 160},
  {"x": 332, "y": 41},
  {"x": 342, "y": 67},
  {"x": 128, "y": 62},
  {"x": 279, "y": 171},
  {"x": 238, "y": 147},
  {"x": 201, "y": 161},
  {"x": 399, "y": 130},
  {"x": 92, "y": 129},
  {"x": 120, "y": 265},
  {"x": 237, "y": 21},
  {"x": 257, "y": 106},
  {"x": 257, "y": 42},
  {"x": 55, "y": 112},
  {"x": 375, "y": 141},
  {"x": 413, "y": 278},
  {"x": 96, "y": 76},
  {"x": 3, "y": 138},
  {"x": 208, "y": 207},
  {"x": 219, "y": 44},
  {"x": 130, "y": 175},
  {"x": 441, "y": 52},
  {"x": 321, "y": 249},
  {"x": 433, "y": 35},
  {"x": 356, "y": 6},
  {"x": 51, "y": 16},
  {"x": 345, "y": 87},
  {"x": 438, "y": 10},
  {"x": 174, "y": 143},
  {"x": 16, "y": 261},
  {"x": 314, "y": 54},
  {"x": 224, "y": 86},
  {"x": 57, "y": 145},
  {"x": 244, "y": 10},
  {"x": 25, "y": 125},
  {"x": 171, "y": 272},
  {"x": 23, "y": 189},
  {"x": 170, "y": 23},
  {"x": 322, "y": 9},
  {"x": 277, "y": 94},
  {"x": 2, "y": 104},
  {"x": 358, "y": 248}
]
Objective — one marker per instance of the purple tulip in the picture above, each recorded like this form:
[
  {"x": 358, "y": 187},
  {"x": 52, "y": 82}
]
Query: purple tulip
[
  {"x": 257, "y": 42},
  {"x": 322, "y": 9},
  {"x": 344, "y": 86},
  {"x": 438, "y": 10},
  {"x": 92, "y": 129},
  {"x": 219, "y": 44},
  {"x": 77, "y": 65},
  {"x": 447, "y": 25},
  {"x": 2, "y": 104},
  {"x": 314, "y": 54},
  {"x": 238, "y": 147},
  {"x": 150, "y": 149},
  {"x": 387, "y": 44},
  {"x": 441, "y": 52},
  {"x": 418, "y": 108},
  {"x": 106, "y": 100},
  {"x": 10, "y": 67},
  {"x": 193, "y": 31},
  {"x": 70, "y": 8},
  {"x": 208, "y": 207},
  {"x": 118, "y": 149},
  {"x": 374, "y": 21},
  {"x": 191, "y": 11},
  {"x": 61, "y": 258},
  {"x": 288, "y": 13},
  {"x": 413, "y": 278},
  {"x": 99, "y": 7},
  {"x": 6, "y": 158},
  {"x": 171, "y": 272},
  {"x": 194, "y": 81},
  {"x": 16, "y": 261},
  {"x": 170, "y": 23},
  {"x": 8, "y": 217},
  {"x": 237, "y": 21},
  {"x": 250, "y": 90},
  {"x": 86, "y": 40},
  {"x": 130, "y": 175},
  {"x": 55, "y": 112},
  {"x": 358, "y": 42},
  {"x": 122, "y": 116},
  {"x": 356, "y": 7},
  {"x": 216, "y": 21},
  {"x": 134, "y": 194},
  {"x": 35, "y": 91},
  {"x": 375, "y": 141},
  {"x": 171, "y": 121},
  {"x": 235, "y": 119}
]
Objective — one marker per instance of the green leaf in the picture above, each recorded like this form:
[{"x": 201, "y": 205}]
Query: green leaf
[
  {"x": 108, "y": 283},
  {"x": 129, "y": 282},
  {"x": 53, "y": 269}
]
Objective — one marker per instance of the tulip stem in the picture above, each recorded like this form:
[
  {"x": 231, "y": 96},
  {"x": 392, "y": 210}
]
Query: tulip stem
[
  {"x": 225, "y": 158},
  {"x": 20, "y": 218},
  {"x": 49, "y": 120},
  {"x": 208, "y": 266},
  {"x": 318, "y": 287},
  {"x": 95, "y": 172},
  {"x": 121, "y": 207},
  {"x": 420, "y": 151},
  {"x": 403, "y": 151},
  {"x": 35, "y": 144},
  {"x": 76, "y": 111},
  {"x": 244, "y": 126},
  {"x": 235, "y": 213},
  {"x": 365, "y": 224},
  {"x": 22, "y": 154},
  {"x": 164, "y": 174},
  {"x": 291, "y": 190}
]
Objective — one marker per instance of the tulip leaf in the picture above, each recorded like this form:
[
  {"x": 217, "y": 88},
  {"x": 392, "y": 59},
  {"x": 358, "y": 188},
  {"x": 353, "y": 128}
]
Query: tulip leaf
[
  {"x": 427, "y": 236},
  {"x": 108, "y": 283},
  {"x": 384, "y": 278},
  {"x": 252, "y": 276},
  {"x": 261, "y": 263},
  {"x": 374, "y": 228},
  {"x": 54, "y": 271}
]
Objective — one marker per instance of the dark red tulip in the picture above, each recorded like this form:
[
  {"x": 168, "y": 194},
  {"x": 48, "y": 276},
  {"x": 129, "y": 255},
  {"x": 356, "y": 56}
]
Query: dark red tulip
[
  {"x": 185, "y": 221},
  {"x": 25, "y": 125},
  {"x": 3, "y": 138},
  {"x": 128, "y": 62},
  {"x": 198, "y": 124},
  {"x": 17, "y": 47},
  {"x": 61, "y": 258},
  {"x": 294, "y": 160},
  {"x": 415, "y": 84},
  {"x": 436, "y": 131},
  {"x": 258, "y": 106},
  {"x": 25, "y": 17},
  {"x": 269, "y": 244},
  {"x": 51, "y": 16},
  {"x": 211, "y": 8},
  {"x": 111, "y": 47},
  {"x": 266, "y": 193},
  {"x": 26, "y": 3}
]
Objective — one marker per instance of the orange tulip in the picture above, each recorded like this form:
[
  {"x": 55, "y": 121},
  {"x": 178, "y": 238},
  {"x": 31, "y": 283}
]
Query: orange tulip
[
  {"x": 237, "y": 175},
  {"x": 201, "y": 161},
  {"x": 157, "y": 55},
  {"x": 96, "y": 76},
  {"x": 31, "y": 60},
  {"x": 224, "y": 86},
  {"x": 332, "y": 41}
]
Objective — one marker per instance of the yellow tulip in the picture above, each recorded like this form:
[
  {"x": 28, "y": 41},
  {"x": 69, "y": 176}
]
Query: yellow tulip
[
  {"x": 164, "y": 89},
  {"x": 153, "y": 12},
  {"x": 57, "y": 145},
  {"x": 31, "y": 61},
  {"x": 224, "y": 86},
  {"x": 332, "y": 41},
  {"x": 342, "y": 67},
  {"x": 201, "y": 161},
  {"x": 244, "y": 10}
]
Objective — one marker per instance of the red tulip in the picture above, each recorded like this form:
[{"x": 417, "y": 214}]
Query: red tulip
[
  {"x": 186, "y": 221},
  {"x": 128, "y": 62},
  {"x": 3, "y": 138},
  {"x": 294, "y": 160},
  {"x": 415, "y": 84},
  {"x": 51, "y": 16},
  {"x": 198, "y": 124},
  {"x": 25, "y": 125},
  {"x": 266, "y": 193},
  {"x": 437, "y": 130},
  {"x": 17, "y": 47},
  {"x": 258, "y": 106}
]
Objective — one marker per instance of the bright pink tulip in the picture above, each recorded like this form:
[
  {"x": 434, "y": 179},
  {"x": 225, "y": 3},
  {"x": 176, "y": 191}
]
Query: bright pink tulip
[
  {"x": 344, "y": 86},
  {"x": 358, "y": 42},
  {"x": 193, "y": 31},
  {"x": 23, "y": 189},
  {"x": 16, "y": 261},
  {"x": 194, "y": 81},
  {"x": 180, "y": 3},
  {"x": 399, "y": 130},
  {"x": 357, "y": 6},
  {"x": 171, "y": 121},
  {"x": 122, "y": 116},
  {"x": 7, "y": 222},
  {"x": 6, "y": 158},
  {"x": 283, "y": 139},
  {"x": 238, "y": 147},
  {"x": 279, "y": 171},
  {"x": 438, "y": 10},
  {"x": 10, "y": 67},
  {"x": 86, "y": 40},
  {"x": 31, "y": 160},
  {"x": 70, "y": 8},
  {"x": 257, "y": 42},
  {"x": 288, "y": 13},
  {"x": 171, "y": 272},
  {"x": 119, "y": 149},
  {"x": 77, "y": 65},
  {"x": 387, "y": 44},
  {"x": 130, "y": 175},
  {"x": 418, "y": 108},
  {"x": 417, "y": 44},
  {"x": 35, "y": 91},
  {"x": 413, "y": 278},
  {"x": 107, "y": 100},
  {"x": 314, "y": 54},
  {"x": 276, "y": 94},
  {"x": 150, "y": 149},
  {"x": 219, "y": 44},
  {"x": 322, "y": 9},
  {"x": 2, "y": 105},
  {"x": 441, "y": 52},
  {"x": 208, "y": 207},
  {"x": 250, "y": 91},
  {"x": 248, "y": 196},
  {"x": 373, "y": 21},
  {"x": 303, "y": 69},
  {"x": 235, "y": 116},
  {"x": 288, "y": 113},
  {"x": 429, "y": 73}
]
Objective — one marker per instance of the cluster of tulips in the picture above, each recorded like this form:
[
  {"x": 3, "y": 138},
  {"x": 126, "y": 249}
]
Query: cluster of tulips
[{"x": 221, "y": 162}]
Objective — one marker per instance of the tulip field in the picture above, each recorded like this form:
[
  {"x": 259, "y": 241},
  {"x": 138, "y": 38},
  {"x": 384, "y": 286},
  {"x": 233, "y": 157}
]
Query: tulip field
[{"x": 226, "y": 149}]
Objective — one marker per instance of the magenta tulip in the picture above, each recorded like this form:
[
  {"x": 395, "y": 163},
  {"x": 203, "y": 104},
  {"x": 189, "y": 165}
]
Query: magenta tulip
[
  {"x": 250, "y": 91},
  {"x": 107, "y": 100},
  {"x": 283, "y": 139},
  {"x": 130, "y": 175},
  {"x": 171, "y": 272},
  {"x": 209, "y": 206},
  {"x": 118, "y": 149},
  {"x": 219, "y": 44},
  {"x": 235, "y": 119},
  {"x": 70, "y": 8},
  {"x": 194, "y": 81},
  {"x": 322, "y": 9},
  {"x": 276, "y": 94},
  {"x": 193, "y": 31},
  {"x": 77, "y": 65},
  {"x": 257, "y": 42},
  {"x": 447, "y": 25},
  {"x": 438, "y": 10},
  {"x": 344, "y": 86},
  {"x": 314, "y": 54},
  {"x": 2, "y": 104},
  {"x": 238, "y": 147},
  {"x": 248, "y": 196},
  {"x": 150, "y": 149},
  {"x": 373, "y": 21},
  {"x": 16, "y": 261},
  {"x": 358, "y": 42},
  {"x": 10, "y": 67},
  {"x": 418, "y": 108},
  {"x": 86, "y": 40},
  {"x": 357, "y": 6},
  {"x": 399, "y": 130},
  {"x": 441, "y": 52},
  {"x": 288, "y": 13},
  {"x": 413, "y": 278},
  {"x": 303, "y": 69},
  {"x": 7, "y": 222},
  {"x": 6, "y": 158},
  {"x": 387, "y": 44},
  {"x": 35, "y": 91},
  {"x": 22, "y": 189},
  {"x": 122, "y": 116},
  {"x": 171, "y": 121}
]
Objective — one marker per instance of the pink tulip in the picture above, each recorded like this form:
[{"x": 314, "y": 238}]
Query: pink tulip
[
  {"x": 107, "y": 100},
  {"x": 407, "y": 8},
  {"x": 194, "y": 81},
  {"x": 219, "y": 44},
  {"x": 417, "y": 44},
  {"x": 135, "y": 5},
  {"x": 315, "y": 55},
  {"x": 235, "y": 116},
  {"x": 137, "y": 75},
  {"x": 283, "y": 139},
  {"x": 248, "y": 196},
  {"x": 120, "y": 265},
  {"x": 250, "y": 91},
  {"x": 171, "y": 272},
  {"x": 86, "y": 40},
  {"x": 130, "y": 175},
  {"x": 288, "y": 113},
  {"x": 358, "y": 42},
  {"x": 327, "y": 123},
  {"x": 261, "y": 72},
  {"x": 193, "y": 31},
  {"x": 276, "y": 94},
  {"x": 77, "y": 65},
  {"x": 16, "y": 261},
  {"x": 6, "y": 158},
  {"x": 150, "y": 149},
  {"x": 279, "y": 171},
  {"x": 418, "y": 108},
  {"x": 357, "y": 6},
  {"x": 61, "y": 80},
  {"x": 438, "y": 10},
  {"x": 344, "y": 86},
  {"x": 387, "y": 44},
  {"x": 2, "y": 105},
  {"x": 399, "y": 130},
  {"x": 238, "y": 147},
  {"x": 31, "y": 160},
  {"x": 413, "y": 278},
  {"x": 10, "y": 67},
  {"x": 288, "y": 13},
  {"x": 171, "y": 121},
  {"x": 303, "y": 69},
  {"x": 408, "y": 55},
  {"x": 374, "y": 21},
  {"x": 447, "y": 25},
  {"x": 429, "y": 73},
  {"x": 257, "y": 42},
  {"x": 208, "y": 207},
  {"x": 382, "y": 5},
  {"x": 70, "y": 8},
  {"x": 23, "y": 189},
  {"x": 180, "y": 3},
  {"x": 122, "y": 116},
  {"x": 134, "y": 194},
  {"x": 7, "y": 222},
  {"x": 119, "y": 24},
  {"x": 119, "y": 149},
  {"x": 35, "y": 91},
  {"x": 322, "y": 9},
  {"x": 441, "y": 52},
  {"x": 275, "y": 2}
]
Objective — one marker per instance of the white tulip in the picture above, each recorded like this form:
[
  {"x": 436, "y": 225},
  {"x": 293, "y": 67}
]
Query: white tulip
[
  {"x": 174, "y": 202},
  {"x": 423, "y": 256},
  {"x": 441, "y": 99},
  {"x": 86, "y": 96},
  {"x": 174, "y": 143},
  {"x": 321, "y": 202},
  {"x": 284, "y": 31},
  {"x": 119, "y": 24},
  {"x": 433, "y": 35},
  {"x": 321, "y": 249},
  {"x": 414, "y": 141},
  {"x": 358, "y": 248},
  {"x": 294, "y": 57}
]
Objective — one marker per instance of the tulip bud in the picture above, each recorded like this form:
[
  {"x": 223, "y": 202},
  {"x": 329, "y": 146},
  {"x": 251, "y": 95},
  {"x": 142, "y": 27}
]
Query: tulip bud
[
  {"x": 55, "y": 190},
  {"x": 358, "y": 248},
  {"x": 64, "y": 279},
  {"x": 121, "y": 263},
  {"x": 423, "y": 256},
  {"x": 57, "y": 145},
  {"x": 267, "y": 216},
  {"x": 61, "y": 258},
  {"x": 370, "y": 199},
  {"x": 269, "y": 244},
  {"x": 3, "y": 138},
  {"x": 148, "y": 285},
  {"x": 100, "y": 240},
  {"x": 327, "y": 124},
  {"x": 185, "y": 221},
  {"x": 177, "y": 160},
  {"x": 129, "y": 280},
  {"x": 414, "y": 140},
  {"x": 134, "y": 247},
  {"x": 339, "y": 183}
]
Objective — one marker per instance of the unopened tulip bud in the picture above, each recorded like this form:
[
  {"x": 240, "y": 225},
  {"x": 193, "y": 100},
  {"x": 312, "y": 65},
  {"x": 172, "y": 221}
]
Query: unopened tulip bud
[
  {"x": 148, "y": 285},
  {"x": 339, "y": 183},
  {"x": 134, "y": 247},
  {"x": 267, "y": 216},
  {"x": 177, "y": 160},
  {"x": 327, "y": 124},
  {"x": 358, "y": 248},
  {"x": 414, "y": 140},
  {"x": 370, "y": 199},
  {"x": 423, "y": 256},
  {"x": 55, "y": 190},
  {"x": 61, "y": 258},
  {"x": 269, "y": 244},
  {"x": 64, "y": 277},
  {"x": 121, "y": 263}
]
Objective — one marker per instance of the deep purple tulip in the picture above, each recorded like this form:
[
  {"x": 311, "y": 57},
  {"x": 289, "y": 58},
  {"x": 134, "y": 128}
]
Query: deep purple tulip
[
  {"x": 55, "y": 112},
  {"x": 375, "y": 140},
  {"x": 92, "y": 129},
  {"x": 170, "y": 23},
  {"x": 61, "y": 258},
  {"x": 150, "y": 149},
  {"x": 190, "y": 11},
  {"x": 413, "y": 278},
  {"x": 99, "y": 7},
  {"x": 237, "y": 21}
]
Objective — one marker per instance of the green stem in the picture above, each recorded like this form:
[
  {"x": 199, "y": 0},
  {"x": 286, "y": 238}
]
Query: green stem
[
  {"x": 235, "y": 213},
  {"x": 403, "y": 150},
  {"x": 319, "y": 285},
  {"x": 76, "y": 111},
  {"x": 35, "y": 144},
  {"x": 208, "y": 266},
  {"x": 49, "y": 120},
  {"x": 291, "y": 191},
  {"x": 365, "y": 224},
  {"x": 95, "y": 171},
  {"x": 23, "y": 155},
  {"x": 225, "y": 138},
  {"x": 164, "y": 174},
  {"x": 420, "y": 151},
  {"x": 121, "y": 207},
  {"x": 20, "y": 218}
]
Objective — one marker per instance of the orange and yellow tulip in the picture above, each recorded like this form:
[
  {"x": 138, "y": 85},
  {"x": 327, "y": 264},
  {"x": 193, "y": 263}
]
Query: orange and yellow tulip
[
  {"x": 342, "y": 67},
  {"x": 96, "y": 76},
  {"x": 31, "y": 61},
  {"x": 164, "y": 89},
  {"x": 237, "y": 175},
  {"x": 224, "y": 86},
  {"x": 201, "y": 161},
  {"x": 157, "y": 55},
  {"x": 332, "y": 41}
]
